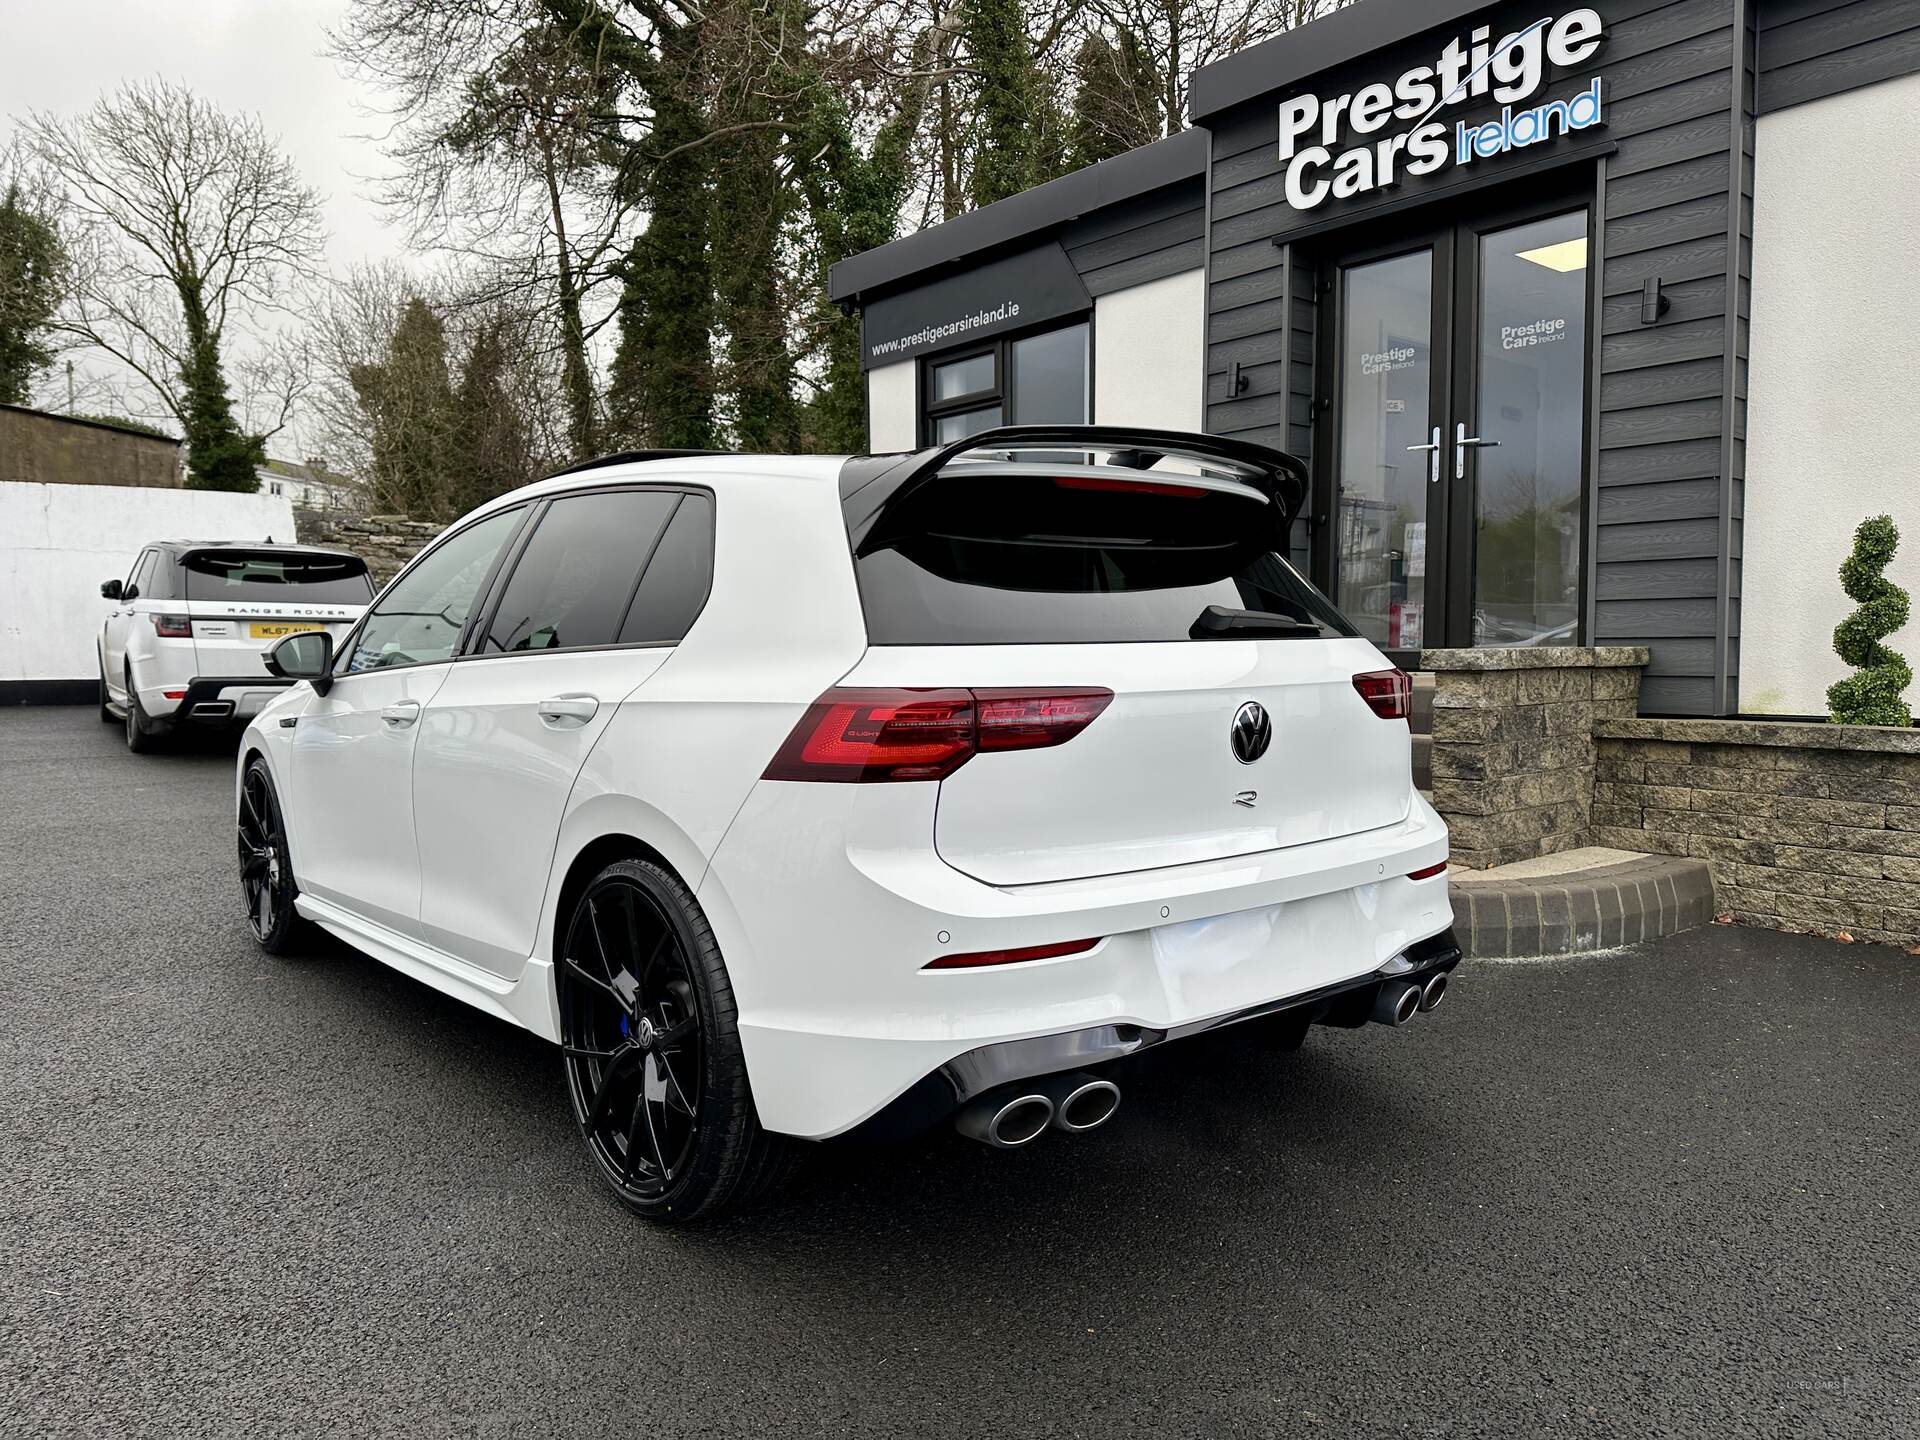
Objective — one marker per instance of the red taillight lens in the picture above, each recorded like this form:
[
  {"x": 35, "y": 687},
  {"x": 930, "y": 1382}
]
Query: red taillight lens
[
  {"x": 173, "y": 627},
  {"x": 174, "y": 694},
  {"x": 1388, "y": 693},
  {"x": 1429, "y": 872},
  {"x": 870, "y": 735},
  {"x": 1033, "y": 720},
  {"x": 977, "y": 958}
]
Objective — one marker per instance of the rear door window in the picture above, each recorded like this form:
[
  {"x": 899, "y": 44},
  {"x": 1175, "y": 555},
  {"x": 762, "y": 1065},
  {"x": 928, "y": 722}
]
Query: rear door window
[
  {"x": 674, "y": 590},
  {"x": 986, "y": 558},
  {"x": 577, "y": 575},
  {"x": 255, "y": 575}
]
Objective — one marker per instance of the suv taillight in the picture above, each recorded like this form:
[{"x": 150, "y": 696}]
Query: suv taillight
[
  {"x": 1388, "y": 693},
  {"x": 870, "y": 735},
  {"x": 173, "y": 627}
]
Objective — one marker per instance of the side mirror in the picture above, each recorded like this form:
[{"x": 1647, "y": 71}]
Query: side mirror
[
  {"x": 110, "y": 590},
  {"x": 304, "y": 655}
]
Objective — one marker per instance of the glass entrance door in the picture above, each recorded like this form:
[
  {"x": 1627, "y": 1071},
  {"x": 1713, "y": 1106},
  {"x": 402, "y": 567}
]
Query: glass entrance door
[
  {"x": 1455, "y": 451},
  {"x": 1387, "y": 446}
]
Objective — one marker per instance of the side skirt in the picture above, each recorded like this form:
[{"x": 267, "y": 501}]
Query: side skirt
[{"x": 527, "y": 1002}]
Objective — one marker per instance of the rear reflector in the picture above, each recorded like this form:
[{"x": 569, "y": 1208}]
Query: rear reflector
[
  {"x": 1429, "y": 872},
  {"x": 174, "y": 694},
  {"x": 871, "y": 735},
  {"x": 1115, "y": 485},
  {"x": 173, "y": 627},
  {"x": 1388, "y": 693},
  {"x": 977, "y": 958}
]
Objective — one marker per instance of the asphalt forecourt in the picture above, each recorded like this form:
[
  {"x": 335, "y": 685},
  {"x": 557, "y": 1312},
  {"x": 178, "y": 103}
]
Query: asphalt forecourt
[{"x": 1667, "y": 1191}]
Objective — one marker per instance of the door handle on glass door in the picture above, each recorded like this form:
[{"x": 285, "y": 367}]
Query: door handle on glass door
[
  {"x": 401, "y": 715},
  {"x": 1433, "y": 451},
  {"x": 1463, "y": 442},
  {"x": 569, "y": 709}
]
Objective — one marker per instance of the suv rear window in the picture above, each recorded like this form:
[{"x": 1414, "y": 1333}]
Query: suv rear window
[
  {"x": 1023, "y": 559},
  {"x": 273, "y": 575}
]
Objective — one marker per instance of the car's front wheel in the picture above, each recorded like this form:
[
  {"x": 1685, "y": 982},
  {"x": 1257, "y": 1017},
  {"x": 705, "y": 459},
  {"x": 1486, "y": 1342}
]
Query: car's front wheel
[
  {"x": 266, "y": 868},
  {"x": 652, "y": 1051}
]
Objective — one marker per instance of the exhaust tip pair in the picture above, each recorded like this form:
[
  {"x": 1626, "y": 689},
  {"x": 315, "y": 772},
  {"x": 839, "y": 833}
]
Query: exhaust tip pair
[
  {"x": 1017, "y": 1115},
  {"x": 1398, "y": 1001}
]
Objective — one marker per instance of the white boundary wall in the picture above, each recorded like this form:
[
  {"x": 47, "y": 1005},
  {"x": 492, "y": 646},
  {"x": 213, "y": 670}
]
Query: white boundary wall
[
  {"x": 1835, "y": 367},
  {"x": 58, "y": 542}
]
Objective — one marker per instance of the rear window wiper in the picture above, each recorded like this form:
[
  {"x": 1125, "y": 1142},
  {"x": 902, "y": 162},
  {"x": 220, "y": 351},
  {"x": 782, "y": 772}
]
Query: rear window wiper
[{"x": 1217, "y": 622}]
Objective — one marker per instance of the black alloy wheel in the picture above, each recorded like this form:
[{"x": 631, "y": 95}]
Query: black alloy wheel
[
  {"x": 652, "y": 1053},
  {"x": 266, "y": 870}
]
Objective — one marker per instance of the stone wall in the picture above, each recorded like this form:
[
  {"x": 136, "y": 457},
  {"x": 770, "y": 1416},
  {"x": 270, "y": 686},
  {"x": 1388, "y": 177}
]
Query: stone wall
[
  {"x": 1805, "y": 826},
  {"x": 385, "y": 542},
  {"x": 48, "y": 449},
  {"x": 1513, "y": 748}
]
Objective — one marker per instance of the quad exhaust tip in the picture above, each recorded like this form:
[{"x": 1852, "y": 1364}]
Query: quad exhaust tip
[
  {"x": 1006, "y": 1119},
  {"x": 1017, "y": 1115},
  {"x": 1397, "y": 1002}
]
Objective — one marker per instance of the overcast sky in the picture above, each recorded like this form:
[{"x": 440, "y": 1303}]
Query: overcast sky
[{"x": 263, "y": 56}]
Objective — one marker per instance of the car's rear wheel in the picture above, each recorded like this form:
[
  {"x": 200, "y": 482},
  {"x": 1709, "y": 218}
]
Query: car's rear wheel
[
  {"x": 142, "y": 738},
  {"x": 266, "y": 868},
  {"x": 652, "y": 1051}
]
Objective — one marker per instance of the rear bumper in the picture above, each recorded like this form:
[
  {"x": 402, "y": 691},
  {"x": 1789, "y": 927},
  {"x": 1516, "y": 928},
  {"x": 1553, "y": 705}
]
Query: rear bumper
[
  {"x": 226, "y": 701},
  {"x": 828, "y": 903}
]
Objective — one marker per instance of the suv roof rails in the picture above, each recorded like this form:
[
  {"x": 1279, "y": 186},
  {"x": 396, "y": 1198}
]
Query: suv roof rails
[
  {"x": 630, "y": 457},
  {"x": 882, "y": 481}
]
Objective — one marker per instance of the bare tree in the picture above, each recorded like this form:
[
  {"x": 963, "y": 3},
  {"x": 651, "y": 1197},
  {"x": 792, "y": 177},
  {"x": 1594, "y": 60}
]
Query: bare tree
[{"x": 187, "y": 223}]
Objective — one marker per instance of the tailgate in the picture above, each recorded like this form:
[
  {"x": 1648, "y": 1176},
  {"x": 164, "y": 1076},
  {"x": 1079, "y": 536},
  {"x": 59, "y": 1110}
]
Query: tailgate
[{"x": 1156, "y": 780}]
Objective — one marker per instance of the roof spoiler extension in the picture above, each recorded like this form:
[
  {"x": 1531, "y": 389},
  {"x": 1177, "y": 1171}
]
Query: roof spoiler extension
[{"x": 870, "y": 485}]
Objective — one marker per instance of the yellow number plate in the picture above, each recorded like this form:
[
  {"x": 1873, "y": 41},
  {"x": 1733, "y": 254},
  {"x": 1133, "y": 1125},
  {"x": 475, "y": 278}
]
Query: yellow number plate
[{"x": 275, "y": 631}]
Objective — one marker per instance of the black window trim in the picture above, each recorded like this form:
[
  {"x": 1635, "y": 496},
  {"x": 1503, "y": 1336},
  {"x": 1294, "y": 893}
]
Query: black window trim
[
  {"x": 495, "y": 588},
  {"x": 445, "y": 537},
  {"x": 1001, "y": 348}
]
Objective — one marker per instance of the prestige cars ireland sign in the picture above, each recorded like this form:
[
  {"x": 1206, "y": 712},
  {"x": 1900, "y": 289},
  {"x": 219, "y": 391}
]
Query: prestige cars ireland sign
[{"x": 1472, "y": 68}]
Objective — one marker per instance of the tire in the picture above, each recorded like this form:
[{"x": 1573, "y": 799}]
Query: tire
[
  {"x": 266, "y": 867},
  {"x": 143, "y": 738},
  {"x": 646, "y": 1009}
]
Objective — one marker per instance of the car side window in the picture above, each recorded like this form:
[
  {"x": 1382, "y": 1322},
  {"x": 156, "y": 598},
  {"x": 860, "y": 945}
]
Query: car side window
[
  {"x": 420, "y": 618},
  {"x": 674, "y": 590},
  {"x": 576, "y": 575},
  {"x": 137, "y": 577}
]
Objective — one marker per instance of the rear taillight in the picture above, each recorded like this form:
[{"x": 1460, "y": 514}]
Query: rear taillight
[
  {"x": 977, "y": 958},
  {"x": 1132, "y": 487},
  {"x": 1388, "y": 693},
  {"x": 870, "y": 735},
  {"x": 173, "y": 627}
]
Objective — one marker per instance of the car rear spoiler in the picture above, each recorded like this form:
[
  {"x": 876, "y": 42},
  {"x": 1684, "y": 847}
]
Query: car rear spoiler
[{"x": 870, "y": 485}]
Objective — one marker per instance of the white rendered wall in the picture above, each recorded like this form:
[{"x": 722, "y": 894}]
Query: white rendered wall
[
  {"x": 1150, "y": 353},
  {"x": 58, "y": 542},
  {"x": 893, "y": 406},
  {"x": 1834, "y": 383}
]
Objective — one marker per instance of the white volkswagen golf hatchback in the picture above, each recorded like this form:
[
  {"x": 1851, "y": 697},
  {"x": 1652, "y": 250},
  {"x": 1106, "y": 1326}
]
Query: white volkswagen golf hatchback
[{"x": 799, "y": 796}]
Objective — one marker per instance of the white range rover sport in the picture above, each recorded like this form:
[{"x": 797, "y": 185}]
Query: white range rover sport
[
  {"x": 795, "y": 797},
  {"x": 186, "y": 640}
]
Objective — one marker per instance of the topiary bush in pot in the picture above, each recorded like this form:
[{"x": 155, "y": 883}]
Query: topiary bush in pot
[{"x": 1872, "y": 694}]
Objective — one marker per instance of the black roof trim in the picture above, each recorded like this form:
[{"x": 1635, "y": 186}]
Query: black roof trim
[
  {"x": 1347, "y": 34},
  {"x": 1020, "y": 217}
]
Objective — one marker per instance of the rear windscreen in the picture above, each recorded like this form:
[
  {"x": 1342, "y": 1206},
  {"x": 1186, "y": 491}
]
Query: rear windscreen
[
  {"x": 983, "y": 559},
  {"x": 266, "y": 575}
]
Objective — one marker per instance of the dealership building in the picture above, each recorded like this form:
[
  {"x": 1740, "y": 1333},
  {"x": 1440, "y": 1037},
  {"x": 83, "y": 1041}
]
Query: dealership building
[{"x": 1596, "y": 324}]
